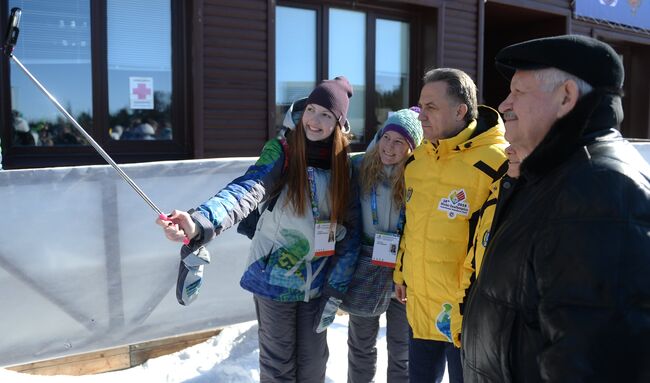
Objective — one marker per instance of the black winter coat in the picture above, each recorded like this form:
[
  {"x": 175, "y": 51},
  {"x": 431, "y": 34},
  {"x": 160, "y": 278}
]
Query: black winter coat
[{"x": 564, "y": 290}]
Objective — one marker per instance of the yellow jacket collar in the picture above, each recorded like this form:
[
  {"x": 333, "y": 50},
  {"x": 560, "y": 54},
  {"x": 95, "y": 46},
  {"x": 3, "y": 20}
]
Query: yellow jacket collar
[
  {"x": 453, "y": 143},
  {"x": 486, "y": 130},
  {"x": 456, "y": 142}
]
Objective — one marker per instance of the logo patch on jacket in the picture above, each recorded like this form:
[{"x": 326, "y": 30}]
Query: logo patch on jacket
[
  {"x": 443, "y": 321},
  {"x": 486, "y": 238},
  {"x": 455, "y": 204}
]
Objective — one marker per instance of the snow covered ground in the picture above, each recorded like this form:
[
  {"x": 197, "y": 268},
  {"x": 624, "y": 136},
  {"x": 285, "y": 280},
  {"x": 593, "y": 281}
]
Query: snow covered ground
[{"x": 230, "y": 357}]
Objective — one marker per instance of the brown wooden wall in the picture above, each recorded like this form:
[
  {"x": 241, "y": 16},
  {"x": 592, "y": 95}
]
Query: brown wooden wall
[
  {"x": 235, "y": 77},
  {"x": 460, "y": 36},
  {"x": 635, "y": 48},
  {"x": 560, "y": 4}
]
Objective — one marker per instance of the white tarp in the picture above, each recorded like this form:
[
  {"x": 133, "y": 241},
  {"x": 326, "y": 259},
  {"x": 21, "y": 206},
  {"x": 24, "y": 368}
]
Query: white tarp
[{"x": 83, "y": 266}]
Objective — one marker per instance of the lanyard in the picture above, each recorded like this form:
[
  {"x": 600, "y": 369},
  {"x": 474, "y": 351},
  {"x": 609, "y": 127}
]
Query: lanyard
[
  {"x": 375, "y": 217},
  {"x": 312, "y": 191}
]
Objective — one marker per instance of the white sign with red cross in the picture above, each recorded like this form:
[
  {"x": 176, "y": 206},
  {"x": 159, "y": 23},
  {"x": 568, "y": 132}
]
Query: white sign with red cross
[{"x": 141, "y": 92}]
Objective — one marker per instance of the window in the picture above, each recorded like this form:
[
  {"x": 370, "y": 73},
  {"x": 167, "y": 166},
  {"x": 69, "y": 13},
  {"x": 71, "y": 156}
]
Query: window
[
  {"x": 392, "y": 70},
  {"x": 110, "y": 64},
  {"x": 347, "y": 56},
  {"x": 295, "y": 68},
  {"x": 139, "y": 70},
  {"x": 371, "y": 47},
  {"x": 54, "y": 44}
]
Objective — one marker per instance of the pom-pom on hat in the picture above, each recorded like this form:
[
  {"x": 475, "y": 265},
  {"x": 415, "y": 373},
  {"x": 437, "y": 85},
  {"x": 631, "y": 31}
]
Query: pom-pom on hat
[
  {"x": 406, "y": 123},
  {"x": 589, "y": 59},
  {"x": 335, "y": 96}
]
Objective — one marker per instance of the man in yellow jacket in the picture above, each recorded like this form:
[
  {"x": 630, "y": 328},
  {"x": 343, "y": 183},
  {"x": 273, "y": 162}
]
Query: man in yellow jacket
[{"x": 447, "y": 180}]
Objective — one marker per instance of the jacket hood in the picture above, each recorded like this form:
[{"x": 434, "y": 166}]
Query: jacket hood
[
  {"x": 488, "y": 125},
  {"x": 595, "y": 114},
  {"x": 374, "y": 140}
]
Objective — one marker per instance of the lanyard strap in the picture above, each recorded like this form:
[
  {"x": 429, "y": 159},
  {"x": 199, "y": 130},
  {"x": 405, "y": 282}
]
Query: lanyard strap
[
  {"x": 313, "y": 193},
  {"x": 373, "y": 206},
  {"x": 375, "y": 216}
]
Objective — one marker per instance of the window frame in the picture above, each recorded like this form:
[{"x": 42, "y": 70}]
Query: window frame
[
  {"x": 17, "y": 157},
  {"x": 398, "y": 12}
]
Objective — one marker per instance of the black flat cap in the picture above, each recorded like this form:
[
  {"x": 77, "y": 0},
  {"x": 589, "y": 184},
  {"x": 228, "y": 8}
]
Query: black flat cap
[{"x": 587, "y": 58}]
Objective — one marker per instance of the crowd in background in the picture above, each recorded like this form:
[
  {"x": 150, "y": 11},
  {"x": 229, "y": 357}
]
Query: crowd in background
[{"x": 61, "y": 132}]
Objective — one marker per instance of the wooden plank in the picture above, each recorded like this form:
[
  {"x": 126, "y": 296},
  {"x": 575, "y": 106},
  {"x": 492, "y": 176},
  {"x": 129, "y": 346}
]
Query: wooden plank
[
  {"x": 465, "y": 5},
  {"x": 113, "y": 359},
  {"x": 565, "y": 4},
  {"x": 467, "y": 17},
  {"x": 142, "y": 352},
  {"x": 219, "y": 4},
  {"x": 464, "y": 39},
  {"x": 234, "y": 13},
  {"x": 224, "y": 92},
  {"x": 219, "y": 43},
  {"x": 466, "y": 54},
  {"x": 537, "y": 5},
  {"x": 240, "y": 54},
  {"x": 84, "y": 364},
  {"x": 244, "y": 32},
  {"x": 218, "y": 115},
  {"x": 236, "y": 63}
]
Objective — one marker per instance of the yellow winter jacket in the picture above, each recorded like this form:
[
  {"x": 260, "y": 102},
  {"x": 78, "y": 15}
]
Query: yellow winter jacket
[
  {"x": 474, "y": 257},
  {"x": 446, "y": 186}
]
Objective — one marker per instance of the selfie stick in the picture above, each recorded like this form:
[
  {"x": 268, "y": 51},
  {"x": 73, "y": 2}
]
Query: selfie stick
[{"x": 8, "y": 48}]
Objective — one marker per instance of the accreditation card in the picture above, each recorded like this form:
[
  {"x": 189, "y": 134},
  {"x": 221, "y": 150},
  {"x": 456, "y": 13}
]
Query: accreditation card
[
  {"x": 384, "y": 252},
  {"x": 324, "y": 238}
]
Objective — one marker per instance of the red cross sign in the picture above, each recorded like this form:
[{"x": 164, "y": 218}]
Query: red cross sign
[{"x": 142, "y": 91}]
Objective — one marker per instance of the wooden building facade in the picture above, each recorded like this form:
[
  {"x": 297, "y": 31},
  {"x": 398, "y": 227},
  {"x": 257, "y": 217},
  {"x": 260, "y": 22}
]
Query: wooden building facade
[{"x": 229, "y": 80}]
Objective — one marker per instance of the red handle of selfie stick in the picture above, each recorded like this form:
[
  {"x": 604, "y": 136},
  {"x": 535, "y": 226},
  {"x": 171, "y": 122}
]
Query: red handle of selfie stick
[{"x": 166, "y": 218}]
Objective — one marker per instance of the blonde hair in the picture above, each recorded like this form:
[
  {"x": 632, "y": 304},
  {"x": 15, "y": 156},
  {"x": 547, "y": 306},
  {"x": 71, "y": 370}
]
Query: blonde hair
[
  {"x": 372, "y": 173},
  {"x": 296, "y": 175}
]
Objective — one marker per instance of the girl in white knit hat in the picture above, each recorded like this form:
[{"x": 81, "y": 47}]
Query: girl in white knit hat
[{"x": 380, "y": 173}]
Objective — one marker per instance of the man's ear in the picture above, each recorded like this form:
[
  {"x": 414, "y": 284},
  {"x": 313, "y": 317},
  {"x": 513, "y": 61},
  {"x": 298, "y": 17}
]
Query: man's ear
[
  {"x": 569, "y": 93},
  {"x": 461, "y": 111}
]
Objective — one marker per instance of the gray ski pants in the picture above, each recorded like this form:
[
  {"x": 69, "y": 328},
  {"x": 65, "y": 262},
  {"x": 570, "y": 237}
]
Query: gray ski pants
[
  {"x": 362, "y": 350},
  {"x": 290, "y": 349}
]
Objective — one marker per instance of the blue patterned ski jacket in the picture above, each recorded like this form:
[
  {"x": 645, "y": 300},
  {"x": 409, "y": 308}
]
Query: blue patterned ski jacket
[{"x": 281, "y": 264}]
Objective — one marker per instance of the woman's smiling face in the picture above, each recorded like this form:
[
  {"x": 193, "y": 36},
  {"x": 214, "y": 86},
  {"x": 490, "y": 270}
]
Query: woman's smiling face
[
  {"x": 318, "y": 122},
  {"x": 392, "y": 148}
]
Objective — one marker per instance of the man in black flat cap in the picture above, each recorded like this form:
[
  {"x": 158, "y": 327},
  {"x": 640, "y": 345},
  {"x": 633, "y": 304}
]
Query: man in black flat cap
[{"x": 564, "y": 289}]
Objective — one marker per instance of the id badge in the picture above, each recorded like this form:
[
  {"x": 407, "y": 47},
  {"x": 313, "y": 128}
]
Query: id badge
[
  {"x": 384, "y": 252},
  {"x": 324, "y": 238}
]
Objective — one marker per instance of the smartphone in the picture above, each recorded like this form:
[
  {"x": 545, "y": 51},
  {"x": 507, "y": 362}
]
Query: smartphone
[{"x": 12, "y": 31}]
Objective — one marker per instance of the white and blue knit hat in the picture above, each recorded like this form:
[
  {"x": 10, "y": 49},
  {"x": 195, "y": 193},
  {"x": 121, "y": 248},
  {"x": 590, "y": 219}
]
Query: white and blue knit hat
[{"x": 406, "y": 123}]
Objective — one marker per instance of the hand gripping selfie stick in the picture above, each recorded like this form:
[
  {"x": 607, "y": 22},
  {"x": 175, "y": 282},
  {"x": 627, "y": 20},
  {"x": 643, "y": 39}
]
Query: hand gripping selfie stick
[{"x": 8, "y": 47}]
